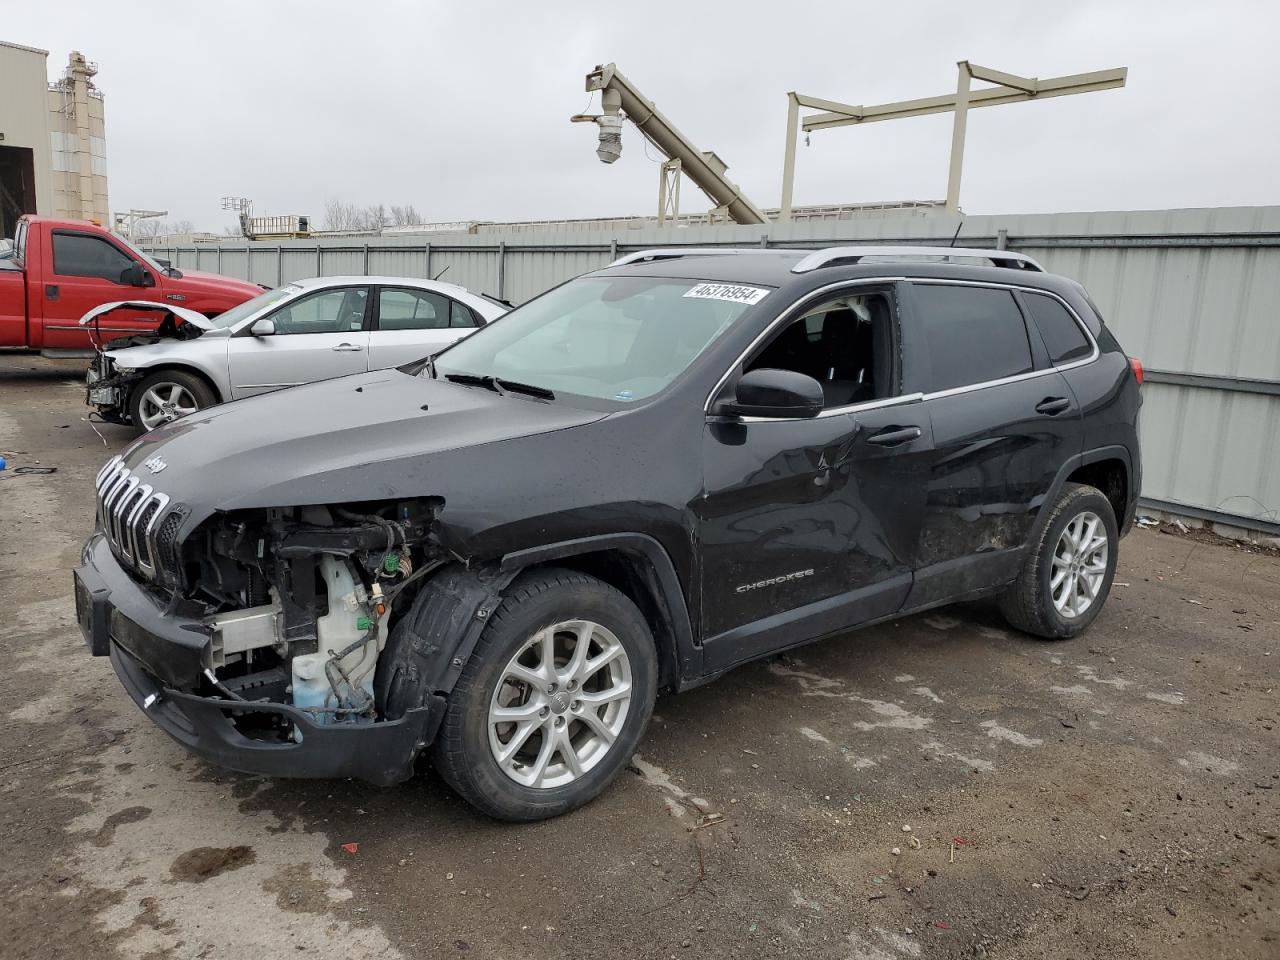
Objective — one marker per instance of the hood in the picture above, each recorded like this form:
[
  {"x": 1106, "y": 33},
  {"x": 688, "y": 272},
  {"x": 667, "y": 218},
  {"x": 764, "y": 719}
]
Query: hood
[
  {"x": 371, "y": 436},
  {"x": 196, "y": 281},
  {"x": 198, "y": 320}
]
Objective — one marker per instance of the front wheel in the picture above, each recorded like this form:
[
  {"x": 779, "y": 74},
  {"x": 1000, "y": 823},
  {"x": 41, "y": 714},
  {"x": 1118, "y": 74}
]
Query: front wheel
[
  {"x": 166, "y": 395},
  {"x": 1067, "y": 573},
  {"x": 553, "y": 700}
]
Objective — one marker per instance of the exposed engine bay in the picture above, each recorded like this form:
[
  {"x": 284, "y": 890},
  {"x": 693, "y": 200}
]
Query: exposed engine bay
[{"x": 298, "y": 602}]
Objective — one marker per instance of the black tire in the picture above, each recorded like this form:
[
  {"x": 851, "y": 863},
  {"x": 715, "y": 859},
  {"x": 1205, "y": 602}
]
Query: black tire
[
  {"x": 1028, "y": 603},
  {"x": 461, "y": 753},
  {"x": 196, "y": 388}
]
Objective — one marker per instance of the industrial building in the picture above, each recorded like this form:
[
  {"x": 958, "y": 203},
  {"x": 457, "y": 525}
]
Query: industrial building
[{"x": 53, "y": 148}]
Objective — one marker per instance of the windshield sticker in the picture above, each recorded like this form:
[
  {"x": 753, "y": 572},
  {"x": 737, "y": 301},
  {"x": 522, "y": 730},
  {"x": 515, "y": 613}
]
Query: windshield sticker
[
  {"x": 728, "y": 291},
  {"x": 624, "y": 395}
]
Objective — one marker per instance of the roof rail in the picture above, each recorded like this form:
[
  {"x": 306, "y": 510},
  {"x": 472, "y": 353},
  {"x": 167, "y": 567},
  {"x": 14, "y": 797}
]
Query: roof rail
[
  {"x": 998, "y": 258},
  {"x": 675, "y": 253}
]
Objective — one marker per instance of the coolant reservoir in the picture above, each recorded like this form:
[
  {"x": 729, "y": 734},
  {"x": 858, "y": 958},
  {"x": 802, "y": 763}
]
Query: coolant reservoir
[{"x": 344, "y": 624}]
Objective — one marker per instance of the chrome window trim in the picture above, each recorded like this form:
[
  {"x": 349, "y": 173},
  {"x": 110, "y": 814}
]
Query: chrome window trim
[
  {"x": 788, "y": 315},
  {"x": 843, "y": 411},
  {"x": 785, "y": 317},
  {"x": 1032, "y": 374}
]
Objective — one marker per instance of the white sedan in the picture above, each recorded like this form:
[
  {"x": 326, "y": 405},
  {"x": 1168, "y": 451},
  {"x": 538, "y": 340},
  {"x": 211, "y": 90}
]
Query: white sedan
[{"x": 304, "y": 331}]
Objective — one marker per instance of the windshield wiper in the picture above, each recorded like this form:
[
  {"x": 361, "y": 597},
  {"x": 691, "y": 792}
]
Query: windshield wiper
[
  {"x": 500, "y": 385},
  {"x": 515, "y": 386},
  {"x": 474, "y": 380}
]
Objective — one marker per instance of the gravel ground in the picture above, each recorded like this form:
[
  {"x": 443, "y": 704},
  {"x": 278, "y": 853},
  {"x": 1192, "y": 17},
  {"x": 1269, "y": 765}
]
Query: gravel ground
[{"x": 938, "y": 787}]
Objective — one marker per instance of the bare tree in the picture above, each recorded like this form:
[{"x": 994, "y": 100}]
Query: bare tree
[
  {"x": 152, "y": 227},
  {"x": 349, "y": 217},
  {"x": 405, "y": 216},
  {"x": 339, "y": 215}
]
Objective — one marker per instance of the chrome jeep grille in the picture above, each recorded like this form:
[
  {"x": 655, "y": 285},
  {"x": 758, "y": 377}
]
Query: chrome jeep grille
[{"x": 127, "y": 513}]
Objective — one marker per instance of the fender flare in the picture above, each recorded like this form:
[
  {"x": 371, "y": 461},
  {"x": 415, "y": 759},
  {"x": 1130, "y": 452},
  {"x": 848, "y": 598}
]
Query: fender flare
[
  {"x": 685, "y": 652},
  {"x": 1073, "y": 463}
]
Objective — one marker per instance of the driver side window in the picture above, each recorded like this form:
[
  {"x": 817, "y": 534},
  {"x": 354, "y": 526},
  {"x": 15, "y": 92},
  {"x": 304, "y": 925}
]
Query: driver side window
[
  {"x": 845, "y": 343},
  {"x": 81, "y": 255},
  {"x": 326, "y": 311}
]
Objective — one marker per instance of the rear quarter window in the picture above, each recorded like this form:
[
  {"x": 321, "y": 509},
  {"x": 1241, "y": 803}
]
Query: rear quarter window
[
  {"x": 974, "y": 334},
  {"x": 1062, "y": 335}
]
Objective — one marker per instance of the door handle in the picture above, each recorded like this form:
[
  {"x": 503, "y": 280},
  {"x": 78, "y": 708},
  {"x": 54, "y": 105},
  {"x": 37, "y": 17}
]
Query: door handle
[
  {"x": 893, "y": 436},
  {"x": 1052, "y": 406},
  {"x": 348, "y": 348},
  {"x": 51, "y": 291}
]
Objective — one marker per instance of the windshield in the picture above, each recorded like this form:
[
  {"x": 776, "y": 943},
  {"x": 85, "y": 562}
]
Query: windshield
[
  {"x": 250, "y": 307},
  {"x": 611, "y": 338}
]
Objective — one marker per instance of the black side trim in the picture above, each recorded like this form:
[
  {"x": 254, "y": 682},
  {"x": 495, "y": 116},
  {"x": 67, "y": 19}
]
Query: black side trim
[{"x": 813, "y": 621}]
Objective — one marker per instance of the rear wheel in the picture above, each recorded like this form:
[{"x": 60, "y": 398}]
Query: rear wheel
[
  {"x": 166, "y": 395},
  {"x": 1067, "y": 574},
  {"x": 552, "y": 702}
]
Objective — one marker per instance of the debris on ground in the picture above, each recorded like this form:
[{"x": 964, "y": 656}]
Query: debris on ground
[{"x": 351, "y": 847}]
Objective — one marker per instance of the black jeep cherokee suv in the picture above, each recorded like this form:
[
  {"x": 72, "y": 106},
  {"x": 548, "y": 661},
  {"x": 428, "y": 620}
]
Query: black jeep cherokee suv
[{"x": 637, "y": 481}]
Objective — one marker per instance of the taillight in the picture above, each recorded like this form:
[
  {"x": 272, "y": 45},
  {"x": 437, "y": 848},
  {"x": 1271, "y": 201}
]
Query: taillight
[{"x": 1136, "y": 366}]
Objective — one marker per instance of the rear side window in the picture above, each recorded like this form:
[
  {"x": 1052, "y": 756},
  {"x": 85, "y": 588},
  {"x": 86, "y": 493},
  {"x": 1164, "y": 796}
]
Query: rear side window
[
  {"x": 975, "y": 334},
  {"x": 1062, "y": 335},
  {"x": 403, "y": 309},
  {"x": 460, "y": 316},
  {"x": 77, "y": 255}
]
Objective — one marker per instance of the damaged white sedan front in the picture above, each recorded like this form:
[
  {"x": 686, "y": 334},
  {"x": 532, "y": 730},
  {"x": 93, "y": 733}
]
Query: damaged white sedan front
[{"x": 302, "y": 332}]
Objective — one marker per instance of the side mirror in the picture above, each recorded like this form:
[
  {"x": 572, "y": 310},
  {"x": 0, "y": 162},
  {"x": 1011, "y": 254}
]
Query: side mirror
[
  {"x": 263, "y": 328},
  {"x": 769, "y": 392},
  {"x": 136, "y": 275}
]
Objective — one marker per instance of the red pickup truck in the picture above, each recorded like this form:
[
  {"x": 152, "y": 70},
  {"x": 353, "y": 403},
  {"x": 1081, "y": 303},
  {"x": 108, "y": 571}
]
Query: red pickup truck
[{"x": 61, "y": 269}]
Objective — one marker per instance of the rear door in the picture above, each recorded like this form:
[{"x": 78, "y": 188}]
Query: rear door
[
  {"x": 84, "y": 272},
  {"x": 810, "y": 526},
  {"x": 411, "y": 323},
  {"x": 1004, "y": 421},
  {"x": 317, "y": 336}
]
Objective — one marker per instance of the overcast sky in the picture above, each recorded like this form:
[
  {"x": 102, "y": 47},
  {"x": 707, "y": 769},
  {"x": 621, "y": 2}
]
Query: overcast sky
[{"x": 462, "y": 108}]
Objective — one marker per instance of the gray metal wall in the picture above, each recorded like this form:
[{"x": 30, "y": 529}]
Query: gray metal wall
[{"x": 1194, "y": 293}]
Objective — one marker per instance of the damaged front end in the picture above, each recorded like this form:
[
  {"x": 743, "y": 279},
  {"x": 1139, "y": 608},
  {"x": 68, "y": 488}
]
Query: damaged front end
[
  {"x": 108, "y": 383},
  {"x": 300, "y": 599},
  {"x": 260, "y": 639}
]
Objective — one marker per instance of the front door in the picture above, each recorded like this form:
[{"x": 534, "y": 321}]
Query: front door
[
  {"x": 808, "y": 527},
  {"x": 317, "y": 336},
  {"x": 85, "y": 273}
]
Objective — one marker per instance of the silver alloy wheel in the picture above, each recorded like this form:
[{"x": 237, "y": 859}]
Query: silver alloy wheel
[
  {"x": 164, "y": 403},
  {"x": 560, "y": 704},
  {"x": 1079, "y": 565}
]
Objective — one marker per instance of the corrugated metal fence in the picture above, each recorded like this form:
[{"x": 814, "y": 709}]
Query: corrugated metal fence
[{"x": 1194, "y": 293}]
